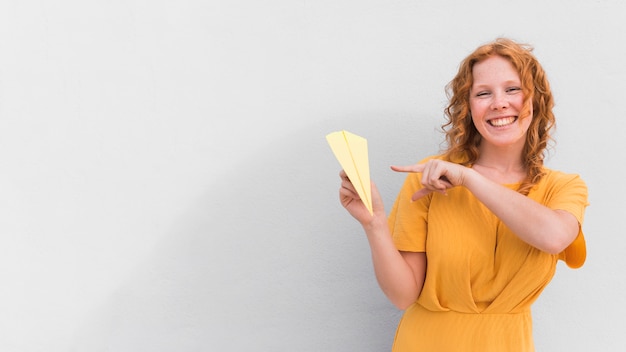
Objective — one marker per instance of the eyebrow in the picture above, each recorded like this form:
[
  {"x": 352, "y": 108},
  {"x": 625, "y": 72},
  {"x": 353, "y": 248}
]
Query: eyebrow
[{"x": 505, "y": 83}]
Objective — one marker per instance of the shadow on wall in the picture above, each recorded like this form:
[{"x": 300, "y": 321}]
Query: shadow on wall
[{"x": 267, "y": 260}]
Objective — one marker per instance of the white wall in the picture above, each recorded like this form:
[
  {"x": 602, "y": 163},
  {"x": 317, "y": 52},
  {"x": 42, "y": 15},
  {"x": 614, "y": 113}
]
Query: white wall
[{"x": 165, "y": 184}]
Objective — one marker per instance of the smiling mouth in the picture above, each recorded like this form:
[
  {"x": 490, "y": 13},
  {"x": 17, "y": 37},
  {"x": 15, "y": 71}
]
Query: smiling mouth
[{"x": 502, "y": 121}]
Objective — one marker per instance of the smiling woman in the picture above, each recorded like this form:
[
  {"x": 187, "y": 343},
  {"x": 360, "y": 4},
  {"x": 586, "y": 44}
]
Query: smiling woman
[
  {"x": 475, "y": 233},
  {"x": 493, "y": 69}
]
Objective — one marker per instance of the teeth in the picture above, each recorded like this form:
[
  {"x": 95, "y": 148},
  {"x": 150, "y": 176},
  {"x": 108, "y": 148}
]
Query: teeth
[{"x": 502, "y": 122}]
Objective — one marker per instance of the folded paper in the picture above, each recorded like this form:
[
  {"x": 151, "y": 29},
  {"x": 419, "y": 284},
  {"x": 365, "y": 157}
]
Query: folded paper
[{"x": 351, "y": 152}]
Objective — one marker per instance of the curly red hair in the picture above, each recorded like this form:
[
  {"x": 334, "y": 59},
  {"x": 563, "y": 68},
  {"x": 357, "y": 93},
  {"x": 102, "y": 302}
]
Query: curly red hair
[{"x": 463, "y": 138}]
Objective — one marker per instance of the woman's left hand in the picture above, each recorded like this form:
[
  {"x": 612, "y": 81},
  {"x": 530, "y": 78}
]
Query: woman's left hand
[{"x": 437, "y": 176}]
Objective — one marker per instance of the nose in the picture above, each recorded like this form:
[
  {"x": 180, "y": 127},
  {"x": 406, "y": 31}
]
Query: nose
[{"x": 500, "y": 101}]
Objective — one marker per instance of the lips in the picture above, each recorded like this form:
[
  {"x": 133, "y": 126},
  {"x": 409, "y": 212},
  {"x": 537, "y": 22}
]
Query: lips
[{"x": 502, "y": 121}]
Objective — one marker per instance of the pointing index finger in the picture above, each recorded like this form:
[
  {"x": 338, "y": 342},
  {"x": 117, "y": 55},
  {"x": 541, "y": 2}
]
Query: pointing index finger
[{"x": 408, "y": 168}]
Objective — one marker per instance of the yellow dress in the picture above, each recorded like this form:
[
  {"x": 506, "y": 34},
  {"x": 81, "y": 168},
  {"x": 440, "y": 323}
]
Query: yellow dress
[{"x": 481, "y": 279}]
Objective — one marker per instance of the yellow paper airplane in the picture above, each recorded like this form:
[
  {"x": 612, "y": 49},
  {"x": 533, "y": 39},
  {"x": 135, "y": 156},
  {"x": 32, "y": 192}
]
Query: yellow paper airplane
[{"x": 351, "y": 152}]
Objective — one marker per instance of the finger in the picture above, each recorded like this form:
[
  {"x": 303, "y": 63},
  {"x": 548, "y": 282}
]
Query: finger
[
  {"x": 421, "y": 193},
  {"x": 428, "y": 190},
  {"x": 434, "y": 178},
  {"x": 437, "y": 175},
  {"x": 345, "y": 192},
  {"x": 349, "y": 188},
  {"x": 346, "y": 198},
  {"x": 445, "y": 182},
  {"x": 426, "y": 177},
  {"x": 408, "y": 168},
  {"x": 344, "y": 177}
]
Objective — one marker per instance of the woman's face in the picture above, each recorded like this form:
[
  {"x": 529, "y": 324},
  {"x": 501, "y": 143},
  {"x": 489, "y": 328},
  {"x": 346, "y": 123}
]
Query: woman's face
[{"x": 496, "y": 100}]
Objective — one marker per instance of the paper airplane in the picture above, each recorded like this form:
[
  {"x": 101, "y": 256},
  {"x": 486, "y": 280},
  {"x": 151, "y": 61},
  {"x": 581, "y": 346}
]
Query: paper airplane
[{"x": 351, "y": 152}]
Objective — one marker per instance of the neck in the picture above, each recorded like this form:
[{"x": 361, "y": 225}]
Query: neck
[
  {"x": 503, "y": 159},
  {"x": 501, "y": 165}
]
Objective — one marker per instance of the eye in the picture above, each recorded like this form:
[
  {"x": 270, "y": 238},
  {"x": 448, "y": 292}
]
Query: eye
[
  {"x": 482, "y": 94},
  {"x": 513, "y": 89}
]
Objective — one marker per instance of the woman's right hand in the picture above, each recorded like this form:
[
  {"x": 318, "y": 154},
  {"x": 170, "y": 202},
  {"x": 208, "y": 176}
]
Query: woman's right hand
[{"x": 351, "y": 200}]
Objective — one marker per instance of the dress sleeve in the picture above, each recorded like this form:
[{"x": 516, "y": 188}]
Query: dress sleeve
[
  {"x": 408, "y": 220},
  {"x": 570, "y": 194}
]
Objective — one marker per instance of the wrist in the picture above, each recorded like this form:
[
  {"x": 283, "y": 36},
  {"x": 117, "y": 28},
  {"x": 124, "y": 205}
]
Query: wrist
[
  {"x": 469, "y": 177},
  {"x": 376, "y": 223}
]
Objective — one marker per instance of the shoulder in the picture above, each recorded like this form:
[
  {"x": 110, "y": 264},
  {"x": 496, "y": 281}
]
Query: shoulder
[
  {"x": 558, "y": 186},
  {"x": 553, "y": 178},
  {"x": 432, "y": 157}
]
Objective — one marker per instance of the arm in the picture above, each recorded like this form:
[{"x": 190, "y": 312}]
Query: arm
[
  {"x": 400, "y": 275},
  {"x": 550, "y": 230}
]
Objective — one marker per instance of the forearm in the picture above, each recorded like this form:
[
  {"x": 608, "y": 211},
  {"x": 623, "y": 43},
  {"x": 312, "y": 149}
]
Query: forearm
[
  {"x": 544, "y": 228},
  {"x": 395, "y": 276}
]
